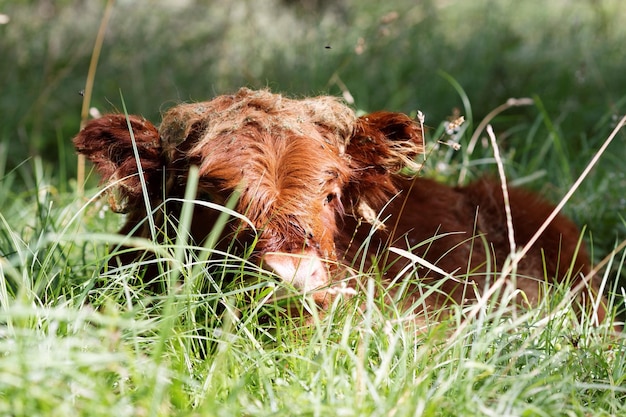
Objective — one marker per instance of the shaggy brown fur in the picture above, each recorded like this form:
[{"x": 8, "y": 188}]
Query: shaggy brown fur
[{"x": 311, "y": 178}]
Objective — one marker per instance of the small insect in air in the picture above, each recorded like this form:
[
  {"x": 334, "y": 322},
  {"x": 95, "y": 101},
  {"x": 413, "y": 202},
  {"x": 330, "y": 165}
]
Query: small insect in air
[
  {"x": 328, "y": 47},
  {"x": 81, "y": 93}
]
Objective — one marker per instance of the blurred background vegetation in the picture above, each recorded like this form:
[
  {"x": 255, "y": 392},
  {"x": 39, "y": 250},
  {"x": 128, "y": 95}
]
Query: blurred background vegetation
[{"x": 438, "y": 56}]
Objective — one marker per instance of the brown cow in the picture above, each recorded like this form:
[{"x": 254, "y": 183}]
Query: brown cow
[{"x": 322, "y": 189}]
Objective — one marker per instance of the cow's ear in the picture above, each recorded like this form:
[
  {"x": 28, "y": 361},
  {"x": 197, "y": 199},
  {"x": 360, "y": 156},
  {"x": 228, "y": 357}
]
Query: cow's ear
[
  {"x": 383, "y": 145},
  {"x": 387, "y": 141},
  {"x": 107, "y": 142}
]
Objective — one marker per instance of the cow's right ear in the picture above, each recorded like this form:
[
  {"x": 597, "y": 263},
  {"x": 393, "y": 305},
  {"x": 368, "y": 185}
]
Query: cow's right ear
[
  {"x": 383, "y": 145},
  {"x": 107, "y": 143}
]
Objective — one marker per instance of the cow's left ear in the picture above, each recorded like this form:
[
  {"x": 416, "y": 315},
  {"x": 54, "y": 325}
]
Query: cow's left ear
[
  {"x": 382, "y": 146},
  {"x": 108, "y": 143}
]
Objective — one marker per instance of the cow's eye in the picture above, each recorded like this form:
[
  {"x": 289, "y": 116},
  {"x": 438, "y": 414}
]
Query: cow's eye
[{"x": 329, "y": 198}]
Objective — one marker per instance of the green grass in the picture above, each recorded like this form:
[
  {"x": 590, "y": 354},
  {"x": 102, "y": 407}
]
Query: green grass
[
  {"x": 190, "y": 352},
  {"x": 77, "y": 341}
]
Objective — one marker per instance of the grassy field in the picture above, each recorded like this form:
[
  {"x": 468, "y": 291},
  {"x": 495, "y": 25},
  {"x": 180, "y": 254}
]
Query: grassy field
[{"x": 201, "y": 348}]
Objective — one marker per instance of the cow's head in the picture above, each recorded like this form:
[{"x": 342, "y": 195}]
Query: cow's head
[{"x": 297, "y": 166}]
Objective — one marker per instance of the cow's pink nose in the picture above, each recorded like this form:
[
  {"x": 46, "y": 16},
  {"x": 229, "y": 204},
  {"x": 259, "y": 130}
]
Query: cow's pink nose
[{"x": 305, "y": 271}]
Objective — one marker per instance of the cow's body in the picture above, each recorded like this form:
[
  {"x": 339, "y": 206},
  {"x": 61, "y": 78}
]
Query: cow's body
[{"x": 315, "y": 181}]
